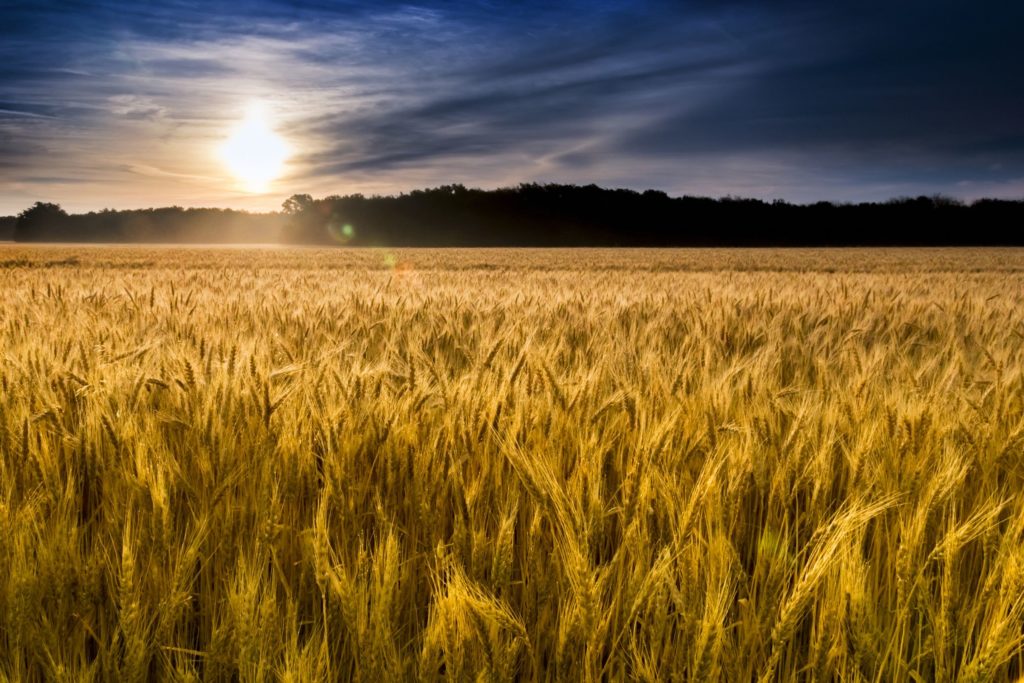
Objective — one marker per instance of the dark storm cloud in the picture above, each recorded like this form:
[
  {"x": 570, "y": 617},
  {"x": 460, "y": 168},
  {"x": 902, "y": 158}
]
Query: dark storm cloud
[{"x": 805, "y": 100}]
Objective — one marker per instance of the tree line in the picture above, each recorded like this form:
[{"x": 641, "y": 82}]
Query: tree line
[
  {"x": 45, "y": 222},
  {"x": 547, "y": 215}
]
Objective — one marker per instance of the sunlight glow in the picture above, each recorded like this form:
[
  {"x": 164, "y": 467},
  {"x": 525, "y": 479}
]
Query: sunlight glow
[{"x": 254, "y": 153}]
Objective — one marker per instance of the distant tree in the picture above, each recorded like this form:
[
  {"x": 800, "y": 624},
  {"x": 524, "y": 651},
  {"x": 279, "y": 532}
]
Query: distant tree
[
  {"x": 942, "y": 200},
  {"x": 42, "y": 210},
  {"x": 297, "y": 204},
  {"x": 301, "y": 224},
  {"x": 35, "y": 220}
]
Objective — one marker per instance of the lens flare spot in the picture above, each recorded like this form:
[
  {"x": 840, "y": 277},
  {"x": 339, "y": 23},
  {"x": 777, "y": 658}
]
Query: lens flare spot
[{"x": 341, "y": 232}]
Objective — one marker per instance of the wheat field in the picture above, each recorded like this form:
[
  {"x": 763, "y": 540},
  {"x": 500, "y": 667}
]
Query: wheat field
[{"x": 497, "y": 465}]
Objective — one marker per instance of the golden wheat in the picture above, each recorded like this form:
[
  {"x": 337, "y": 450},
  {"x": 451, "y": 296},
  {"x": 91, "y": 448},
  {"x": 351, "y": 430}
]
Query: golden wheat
[{"x": 300, "y": 464}]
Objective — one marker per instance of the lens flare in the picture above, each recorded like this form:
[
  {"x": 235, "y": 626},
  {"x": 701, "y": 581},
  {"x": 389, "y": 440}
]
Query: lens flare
[{"x": 343, "y": 233}]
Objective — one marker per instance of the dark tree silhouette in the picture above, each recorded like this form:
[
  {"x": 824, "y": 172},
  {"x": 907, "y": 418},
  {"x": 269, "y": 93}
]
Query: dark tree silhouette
[
  {"x": 38, "y": 217},
  {"x": 7, "y": 224},
  {"x": 49, "y": 223},
  {"x": 570, "y": 215},
  {"x": 549, "y": 215},
  {"x": 296, "y": 204}
]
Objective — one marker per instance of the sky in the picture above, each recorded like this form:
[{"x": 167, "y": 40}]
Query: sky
[{"x": 126, "y": 104}]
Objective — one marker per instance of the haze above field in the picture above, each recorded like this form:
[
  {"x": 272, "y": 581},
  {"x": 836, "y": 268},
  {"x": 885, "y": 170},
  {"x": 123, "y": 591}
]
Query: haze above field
[{"x": 126, "y": 105}]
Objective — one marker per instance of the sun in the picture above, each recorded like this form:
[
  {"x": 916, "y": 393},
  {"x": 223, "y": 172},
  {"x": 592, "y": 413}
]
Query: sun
[{"x": 254, "y": 153}]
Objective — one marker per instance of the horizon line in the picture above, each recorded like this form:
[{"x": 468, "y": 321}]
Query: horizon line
[{"x": 934, "y": 196}]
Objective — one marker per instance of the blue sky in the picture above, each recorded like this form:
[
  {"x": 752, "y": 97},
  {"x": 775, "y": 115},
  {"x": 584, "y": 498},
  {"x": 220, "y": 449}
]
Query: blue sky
[{"x": 124, "y": 104}]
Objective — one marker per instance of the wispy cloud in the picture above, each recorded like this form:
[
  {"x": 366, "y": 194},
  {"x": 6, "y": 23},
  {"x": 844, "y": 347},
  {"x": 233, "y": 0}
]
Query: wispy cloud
[
  {"x": 795, "y": 99},
  {"x": 14, "y": 113}
]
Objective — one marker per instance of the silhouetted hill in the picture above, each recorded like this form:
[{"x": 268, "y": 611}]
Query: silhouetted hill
[
  {"x": 549, "y": 215},
  {"x": 7, "y": 227}
]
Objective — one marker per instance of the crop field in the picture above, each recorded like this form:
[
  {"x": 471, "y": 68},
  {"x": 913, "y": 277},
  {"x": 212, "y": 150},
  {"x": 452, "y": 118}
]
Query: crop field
[{"x": 597, "y": 465}]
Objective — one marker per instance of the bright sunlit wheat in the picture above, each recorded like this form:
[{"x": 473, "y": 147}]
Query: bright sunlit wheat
[
  {"x": 254, "y": 153},
  {"x": 615, "y": 465}
]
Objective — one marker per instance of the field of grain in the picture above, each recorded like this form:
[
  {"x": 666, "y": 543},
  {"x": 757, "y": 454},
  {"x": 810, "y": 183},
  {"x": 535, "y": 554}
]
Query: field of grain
[{"x": 267, "y": 464}]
